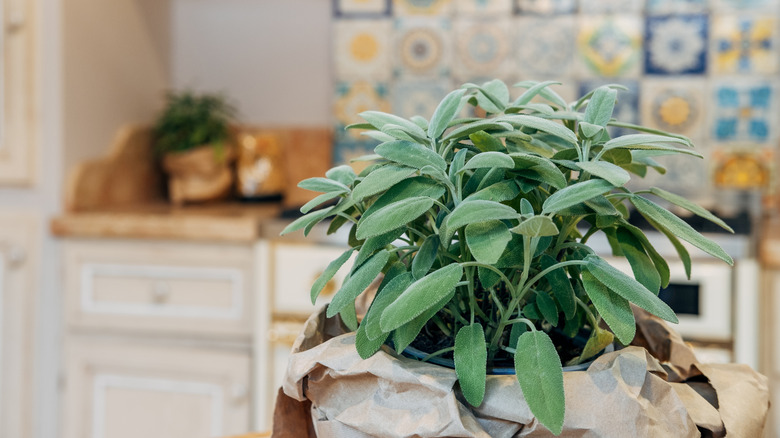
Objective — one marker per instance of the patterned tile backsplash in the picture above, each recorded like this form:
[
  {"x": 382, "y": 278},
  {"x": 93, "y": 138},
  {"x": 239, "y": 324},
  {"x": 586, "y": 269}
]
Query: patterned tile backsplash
[{"x": 707, "y": 69}]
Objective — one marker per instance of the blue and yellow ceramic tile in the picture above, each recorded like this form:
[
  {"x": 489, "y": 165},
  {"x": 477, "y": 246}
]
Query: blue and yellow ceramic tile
[
  {"x": 744, "y": 111},
  {"x": 418, "y": 97},
  {"x": 627, "y": 105},
  {"x": 483, "y": 7},
  {"x": 362, "y": 8},
  {"x": 402, "y": 8},
  {"x": 676, "y": 6},
  {"x": 352, "y": 98},
  {"x": 482, "y": 47},
  {"x": 611, "y": 6},
  {"x": 545, "y": 7},
  {"x": 544, "y": 46},
  {"x": 610, "y": 46},
  {"x": 422, "y": 47},
  {"x": 676, "y": 44},
  {"x": 743, "y": 167},
  {"x": 362, "y": 50},
  {"x": 675, "y": 105},
  {"x": 742, "y": 44}
]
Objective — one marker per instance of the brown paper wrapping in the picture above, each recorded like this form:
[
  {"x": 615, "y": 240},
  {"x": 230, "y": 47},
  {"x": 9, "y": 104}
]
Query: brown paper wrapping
[{"x": 653, "y": 388}]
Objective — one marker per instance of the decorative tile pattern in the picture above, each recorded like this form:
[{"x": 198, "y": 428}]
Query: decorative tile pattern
[
  {"x": 483, "y": 7},
  {"x": 611, "y": 6},
  {"x": 744, "y": 111},
  {"x": 545, "y": 7},
  {"x": 676, "y": 6},
  {"x": 482, "y": 47},
  {"x": 676, "y": 44},
  {"x": 403, "y": 8},
  {"x": 362, "y": 8},
  {"x": 627, "y": 105},
  {"x": 356, "y": 97},
  {"x": 362, "y": 50},
  {"x": 745, "y": 44},
  {"x": 422, "y": 47},
  {"x": 418, "y": 97},
  {"x": 674, "y": 105},
  {"x": 544, "y": 47},
  {"x": 610, "y": 45}
]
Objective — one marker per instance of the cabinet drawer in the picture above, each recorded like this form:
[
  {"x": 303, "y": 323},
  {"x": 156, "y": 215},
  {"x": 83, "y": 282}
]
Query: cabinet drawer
[
  {"x": 152, "y": 286},
  {"x": 120, "y": 389},
  {"x": 296, "y": 267}
]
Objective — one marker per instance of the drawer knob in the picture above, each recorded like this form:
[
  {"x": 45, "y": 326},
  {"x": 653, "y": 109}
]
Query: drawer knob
[{"x": 161, "y": 292}]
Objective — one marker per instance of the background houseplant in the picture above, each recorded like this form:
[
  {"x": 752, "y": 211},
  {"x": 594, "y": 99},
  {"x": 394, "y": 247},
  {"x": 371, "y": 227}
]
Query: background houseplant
[
  {"x": 480, "y": 226},
  {"x": 193, "y": 135}
]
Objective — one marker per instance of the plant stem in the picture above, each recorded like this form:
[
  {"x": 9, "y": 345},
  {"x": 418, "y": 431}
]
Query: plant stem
[{"x": 438, "y": 353}]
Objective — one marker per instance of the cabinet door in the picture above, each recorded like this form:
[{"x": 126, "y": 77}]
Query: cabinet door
[
  {"x": 17, "y": 296},
  {"x": 121, "y": 389}
]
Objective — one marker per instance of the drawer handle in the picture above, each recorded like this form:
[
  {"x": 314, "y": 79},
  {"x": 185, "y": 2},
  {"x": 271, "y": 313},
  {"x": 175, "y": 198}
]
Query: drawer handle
[
  {"x": 329, "y": 288},
  {"x": 161, "y": 292}
]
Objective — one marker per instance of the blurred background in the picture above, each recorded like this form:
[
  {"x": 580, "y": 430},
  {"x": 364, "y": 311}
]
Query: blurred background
[{"x": 146, "y": 293}]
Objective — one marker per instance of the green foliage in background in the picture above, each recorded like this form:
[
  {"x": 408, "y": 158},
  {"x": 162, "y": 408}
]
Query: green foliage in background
[
  {"x": 480, "y": 226},
  {"x": 191, "y": 120}
]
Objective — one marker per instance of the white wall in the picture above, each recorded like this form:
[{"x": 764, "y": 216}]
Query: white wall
[{"x": 270, "y": 56}]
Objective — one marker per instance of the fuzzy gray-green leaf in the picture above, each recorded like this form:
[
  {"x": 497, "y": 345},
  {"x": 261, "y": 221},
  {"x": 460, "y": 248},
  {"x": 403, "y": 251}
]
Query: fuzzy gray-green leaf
[
  {"x": 358, "y": 282},
  {"x": 613, "y": 308},
  {"x": 325, "y": 197},
  {"x": 380, "y": 119},
  {"x": 575, "y": 194},
  {"x": 420, "y": 296},
  {"x": 690, "y": 206},
  {"x": 324, "y": 185},
  {"x": 561, "y": 286},
  {"x": 536, "y": 226},
  {"x": 487, "y": 240},
  {"x": 386, "y": 296},
  {"x": 425, "y": 257},
  {"x": 445, "y": 112},
  {"x": 643, "y": 268},
  {"x": 498, "y": 192},
  {"x": 600, "y": 106},
  {"x": 540, "y": 374},
  {"x": 486, "y": 142},
  {"x": 616, "y": 175},
  {"x": 343, "y": 174},
  {"x": 380, "y": 180},
  {"x": 546, "y": 168},
  {"x": 491, "y": 160},
  {"x": 469, "y": 212},
  {"x": 541, "y": 124},
  {"x": 408, "y": 188},
  {"x": 328, "y": 274},
  {"x": 628, "y": 288},
  {"x": 393, "y": 216},
  {"x": 679, "y": 228},
  {"x": 471, "y": 362},
  {"x": 410, "y": 154}
]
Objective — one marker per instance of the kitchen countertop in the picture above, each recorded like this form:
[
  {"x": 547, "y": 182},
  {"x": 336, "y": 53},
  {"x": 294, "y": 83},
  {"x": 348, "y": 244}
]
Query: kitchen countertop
[{"x": 230, "y": 222}]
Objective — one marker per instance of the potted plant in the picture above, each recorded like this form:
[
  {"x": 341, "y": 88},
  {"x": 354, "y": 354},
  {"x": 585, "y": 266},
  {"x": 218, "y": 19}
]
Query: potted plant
[
  {"x": 480, "y": 226},
  {"x": 193, "y": 136}
]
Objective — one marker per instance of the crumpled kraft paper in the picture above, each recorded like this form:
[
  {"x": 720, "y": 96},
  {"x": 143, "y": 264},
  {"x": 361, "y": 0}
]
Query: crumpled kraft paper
[{"x": 653, "y": 388}]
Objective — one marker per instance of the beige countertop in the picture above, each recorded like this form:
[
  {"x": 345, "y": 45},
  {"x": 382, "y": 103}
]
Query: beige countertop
[{"x": 230, "y": 222}]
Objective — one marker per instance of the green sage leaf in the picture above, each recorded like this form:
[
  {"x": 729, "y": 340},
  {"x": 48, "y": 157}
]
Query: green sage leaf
[
  {"x": 328, "y": 274},
  {"x": 410, "y": 154},
  {"x": 471, "y": 362},
  {"x": 613, "y": 308},
  {"x": 393, "y": 216},
  {"x": 380, "y": 180},
  {"x": 690, "y": 206},
  {"x": 616, "y": 175},
  {"x": 628, "y": 288},
  {"x": 421, "y": 296},
  {"x": 540, "y": 374},
  {"x": 425, "y": 257},
  {"x": 575, "y": 194},
  {"x": 446, "y": 111},
  {"x": 679, "y": 228},
  {"x": 536, "y": 226},
  {"x": 358, "y": 282},
  {"x": 487, "y": 240}
]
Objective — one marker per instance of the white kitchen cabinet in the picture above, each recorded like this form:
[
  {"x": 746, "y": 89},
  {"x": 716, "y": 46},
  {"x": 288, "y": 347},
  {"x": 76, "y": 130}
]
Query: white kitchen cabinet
[{"x": 121, "y": 388}]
